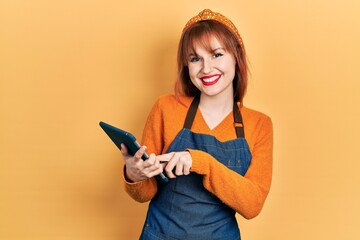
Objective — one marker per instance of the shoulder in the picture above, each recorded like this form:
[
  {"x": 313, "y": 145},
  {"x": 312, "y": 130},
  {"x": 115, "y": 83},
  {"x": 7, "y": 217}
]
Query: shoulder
[
  {"x": 257, "y": 125},
  {"x": 170, "y": 102},
  {"x": 253, "y": 115}
]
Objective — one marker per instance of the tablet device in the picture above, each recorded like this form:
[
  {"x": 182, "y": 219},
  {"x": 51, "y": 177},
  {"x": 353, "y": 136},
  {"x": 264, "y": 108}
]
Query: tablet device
[{"x": 119, "y": 136}]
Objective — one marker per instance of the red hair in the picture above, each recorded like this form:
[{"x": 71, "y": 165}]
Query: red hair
[{"x": 201, "y": 32}]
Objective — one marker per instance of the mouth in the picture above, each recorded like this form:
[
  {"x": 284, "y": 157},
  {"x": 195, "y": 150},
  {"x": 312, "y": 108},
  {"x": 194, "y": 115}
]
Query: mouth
[{"x": 210, "y": 80}]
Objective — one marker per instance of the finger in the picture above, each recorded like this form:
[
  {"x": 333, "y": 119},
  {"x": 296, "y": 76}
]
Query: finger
[
  {"x": 187, "y": 163},
  {"x": 153, "y": 173},
  {"x": 171, "y": 165},
  {"x": 183, "y": 165},
  {"x": 154, "y": 169},
  {"x": 165, "y": 157},
  {"x": 187, "y": 169},
  {"x": 151, "y": 161},
  {"x": 124, "y": 150},
  {"x": 179, "y": 168},
  {"x": 163, "y": 164},
  {"x": 140, "y": 152}
]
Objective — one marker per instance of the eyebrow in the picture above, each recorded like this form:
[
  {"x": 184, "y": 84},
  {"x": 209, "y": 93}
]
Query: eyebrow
[
  {"x": 212, "y": 50},
  {"x": 219, "y": 48}
]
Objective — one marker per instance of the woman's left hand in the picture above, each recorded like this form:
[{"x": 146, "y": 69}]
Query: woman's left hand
[{"x": 180, "y": 161}]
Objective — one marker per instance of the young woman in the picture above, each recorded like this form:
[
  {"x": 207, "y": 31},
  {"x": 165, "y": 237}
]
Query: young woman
[{"x": 216, "y": 153}]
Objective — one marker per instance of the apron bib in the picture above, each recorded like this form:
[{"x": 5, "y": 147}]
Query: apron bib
[{"x": 183, "y": 208}]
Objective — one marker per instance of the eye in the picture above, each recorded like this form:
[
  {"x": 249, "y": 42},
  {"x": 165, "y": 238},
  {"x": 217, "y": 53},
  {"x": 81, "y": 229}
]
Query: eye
[
  {"x": 216, "y": 55},
  {"x": 194, "y": 59}
]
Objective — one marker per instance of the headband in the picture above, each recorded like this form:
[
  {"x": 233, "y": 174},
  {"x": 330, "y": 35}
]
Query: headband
[{"x": 207, "y": 14}]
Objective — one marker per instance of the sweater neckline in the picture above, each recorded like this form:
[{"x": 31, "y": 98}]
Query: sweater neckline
[{"x": 223, "y": 123}]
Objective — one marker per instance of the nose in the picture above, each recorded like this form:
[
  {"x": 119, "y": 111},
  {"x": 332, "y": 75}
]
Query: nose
[{"x": 207, "y": 65}]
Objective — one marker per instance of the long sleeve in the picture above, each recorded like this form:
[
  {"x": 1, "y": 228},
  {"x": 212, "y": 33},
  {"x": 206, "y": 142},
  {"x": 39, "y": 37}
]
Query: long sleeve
[
  {"x": 245, "y": 194},
  {"x": 144, "y": 191}
]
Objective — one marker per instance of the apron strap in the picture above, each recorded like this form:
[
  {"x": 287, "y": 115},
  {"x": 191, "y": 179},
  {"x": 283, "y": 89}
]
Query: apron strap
[
  {"x": 238, "y": 122},
  {"x": 192, "y": 112}
]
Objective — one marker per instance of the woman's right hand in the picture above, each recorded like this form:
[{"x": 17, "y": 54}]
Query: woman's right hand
[{"x": 136, "y": 168}]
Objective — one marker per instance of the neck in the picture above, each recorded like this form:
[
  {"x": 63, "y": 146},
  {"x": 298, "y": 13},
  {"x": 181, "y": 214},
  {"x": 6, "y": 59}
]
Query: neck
[{"x": 219, "y": 104}]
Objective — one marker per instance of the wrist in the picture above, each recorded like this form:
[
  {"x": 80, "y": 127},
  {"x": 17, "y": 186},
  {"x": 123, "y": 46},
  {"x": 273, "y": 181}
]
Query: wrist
[{"x": 127, "y": 176}]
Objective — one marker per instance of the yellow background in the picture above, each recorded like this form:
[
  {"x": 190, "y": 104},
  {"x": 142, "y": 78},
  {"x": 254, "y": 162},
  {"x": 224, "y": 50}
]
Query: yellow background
[{"x": 66, "y": 65}]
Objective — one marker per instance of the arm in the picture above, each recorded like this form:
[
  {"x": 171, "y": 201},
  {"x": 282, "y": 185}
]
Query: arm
[
  {"x": 245, "y": 194},
  {"x": 145, "y": 190}
]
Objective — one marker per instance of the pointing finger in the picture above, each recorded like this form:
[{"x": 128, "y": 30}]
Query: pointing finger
[{"x": 165, "y": 157}]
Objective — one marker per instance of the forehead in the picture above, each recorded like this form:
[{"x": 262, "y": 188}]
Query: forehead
[{"x": 208, "y": 42}]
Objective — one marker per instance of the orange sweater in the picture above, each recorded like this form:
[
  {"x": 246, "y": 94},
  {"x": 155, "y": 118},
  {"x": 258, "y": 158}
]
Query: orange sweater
[{"x": 245, "y": 194}]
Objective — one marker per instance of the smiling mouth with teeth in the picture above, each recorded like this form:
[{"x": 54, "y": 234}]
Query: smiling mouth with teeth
[{"x": 210, "y": 80}]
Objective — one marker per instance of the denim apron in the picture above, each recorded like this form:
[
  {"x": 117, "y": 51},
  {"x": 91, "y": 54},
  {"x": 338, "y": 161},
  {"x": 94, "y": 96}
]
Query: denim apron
[{"x": 183, "y": 208}]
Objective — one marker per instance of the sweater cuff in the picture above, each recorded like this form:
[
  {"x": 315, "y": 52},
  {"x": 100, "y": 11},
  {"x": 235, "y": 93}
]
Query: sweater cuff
[
  {"x": 128, "y": 183},
  {"x": 200, "y": 163}
]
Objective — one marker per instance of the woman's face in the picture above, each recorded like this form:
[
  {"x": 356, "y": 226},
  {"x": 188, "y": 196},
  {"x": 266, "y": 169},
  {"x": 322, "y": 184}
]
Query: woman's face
[{"x": 212, "y": 71}]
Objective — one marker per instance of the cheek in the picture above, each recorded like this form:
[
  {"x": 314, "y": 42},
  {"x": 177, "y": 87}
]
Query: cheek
[
  {"x": 192, "y": 71},
  {"x": 193, "y": 77},
  {"x": 229, "y": 67},
  {"x": 230, "y": 64}
]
